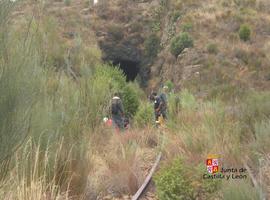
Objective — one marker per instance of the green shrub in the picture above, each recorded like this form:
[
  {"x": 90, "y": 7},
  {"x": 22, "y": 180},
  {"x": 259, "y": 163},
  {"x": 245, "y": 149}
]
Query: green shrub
[
  {"x": 67, "y": 2},
  {"x": 172, "y": 182},
  {"x": 204, "y": 188},
  {"x": 116, "y": 31},
  {"x": 254, "y": 109},
  {"x": 243, "y": 191},
  {"x": 244, "y": 32},
  {"x": 174, "y": 105},
  {"x": 155, "y": 26},
  {"x": 226, "y": 91},
  {"x": 245, "y": 3},
  {"x": 170, "y": 85},
  {"x": 212, "y": 48},
  {"x": 187, "y": 27},
  {"x": 152, "y": 46},
  {"x": 188, "y": 100},
  {"x": 144, "y": 115},
  {"x": 180, "y": 42},
  {"x": 20, "y": 84},
  {"x": 175, "y": 15},
  {"x": 180, "y": 181},
  {"x": 130, "y": 100},
  {"x": 262, "y": 130}
]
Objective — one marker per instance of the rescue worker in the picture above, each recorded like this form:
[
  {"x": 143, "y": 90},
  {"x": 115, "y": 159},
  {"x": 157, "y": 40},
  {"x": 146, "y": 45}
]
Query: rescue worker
[
  {"x": 157, "y": 103},
  {"x": 117, "y": 111},
  {"x": 164, "y": 102}
]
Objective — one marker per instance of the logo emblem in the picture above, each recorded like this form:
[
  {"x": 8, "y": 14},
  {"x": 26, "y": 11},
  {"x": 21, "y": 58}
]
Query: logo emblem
[{"x": 212, "y": 164}]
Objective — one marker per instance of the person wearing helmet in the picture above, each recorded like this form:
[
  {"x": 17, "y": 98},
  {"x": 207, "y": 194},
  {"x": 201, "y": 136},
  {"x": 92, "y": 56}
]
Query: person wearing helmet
[
  {"x": 164, "y": 102},
  {"x": 117, "y": 111},
  {"x": 157, "y": 102}
]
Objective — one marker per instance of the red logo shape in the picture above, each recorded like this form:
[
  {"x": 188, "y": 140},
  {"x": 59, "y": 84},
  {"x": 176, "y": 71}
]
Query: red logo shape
[{"x": 212, "y": 165}]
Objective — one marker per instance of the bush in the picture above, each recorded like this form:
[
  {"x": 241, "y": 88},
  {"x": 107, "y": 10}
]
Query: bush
[
  {"x": 175, "y": 15},
  {"x": 212, "y": 48},
  {"x": 152, "y": 46},
  {"x": 116, "y": 31},
  {"x": 243, "y": 191},
  {"x": 204, "y": 188},
  {"x": 174, "y": 106},
  {"x": 170, "y": 85},
  {"x": 145, "y": 115},
  {"x": 180, "y": 42},
  {"x": 188, "y": 100},
  {"x": 245, "y": 3},
  {"x": 19, "y": 85},
  {"x": 130, "y": 100},
  {"x": 255, "y": 109},
  {"x": 172, "y": 182},
  {"x": 244, "y": 32},
  {"x": 187, "y": 27},
  {"x": 67, "y": 2},
  {"x": 262, "y": 130}
]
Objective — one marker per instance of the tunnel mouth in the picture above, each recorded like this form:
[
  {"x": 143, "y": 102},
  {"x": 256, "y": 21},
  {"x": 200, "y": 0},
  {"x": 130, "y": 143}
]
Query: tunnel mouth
[{"x": 129, "y": 68}]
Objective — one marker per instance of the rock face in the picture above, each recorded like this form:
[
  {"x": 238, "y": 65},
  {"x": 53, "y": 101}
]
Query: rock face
[
  {"x": 179, "y": 69},
  {"x": 123, "y": 50},
  {"x": 123, "y": 32},
  {"x": 123, "y": 28},
  {"x": 119, "y": 41}
]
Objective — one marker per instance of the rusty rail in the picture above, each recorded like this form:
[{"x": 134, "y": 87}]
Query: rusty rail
[{"x": 147, "y": 179}]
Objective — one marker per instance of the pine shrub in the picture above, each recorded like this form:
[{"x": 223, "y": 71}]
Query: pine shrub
[
  {"x": 244, "y": 32},
  {"x": 180, "y": 42}
]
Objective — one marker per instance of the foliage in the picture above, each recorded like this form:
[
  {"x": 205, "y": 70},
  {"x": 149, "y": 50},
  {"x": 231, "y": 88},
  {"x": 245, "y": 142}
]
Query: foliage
[
  {"x": 152, "y": 45},
  {"x": 227, "y": 92},
  {"x": 144, "y": 115},
  {"x": 19, "y": 60},
  {"x": 180, "y": 42},
  {"x": 130, "y": 100},
  {"x": 187, "y": 27},
  {"x": 175, "y": 15},
  {"x": 245, "y": 3},
  {"x": 170, "y": 85},
  {"x": 254, "y": 109},
  {"x": 116, "y": 31},
  {"x": 204, "y": 188},
  {"x": 172, "y": 182},
  {"x": 155, "y": 26},
  {"x": 174, "y": 105},
  {"x": 244, "y": 32},
  {"x": 67, "y": 2},
  {"x": 243, "y": 191},
  {"x": 262, "y": 130},
  {"x": 212, "y": 48},
  {"x": 187, "y": 100}
]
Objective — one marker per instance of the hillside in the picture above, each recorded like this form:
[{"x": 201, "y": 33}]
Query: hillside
[
  {"x": 219, "y": 59},
  {"x": 62, "y": 61}
]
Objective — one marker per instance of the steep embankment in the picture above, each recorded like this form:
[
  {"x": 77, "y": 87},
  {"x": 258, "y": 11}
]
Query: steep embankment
[
  {"x": 137, "y": 35},
  {"x": 219, "y": 61}
]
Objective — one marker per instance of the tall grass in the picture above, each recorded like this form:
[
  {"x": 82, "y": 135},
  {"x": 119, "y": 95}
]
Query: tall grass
[
  {"x": 201, "y": 128},
  {"x": 47, "y": 118},
  {"x": 18, "y": 61}
]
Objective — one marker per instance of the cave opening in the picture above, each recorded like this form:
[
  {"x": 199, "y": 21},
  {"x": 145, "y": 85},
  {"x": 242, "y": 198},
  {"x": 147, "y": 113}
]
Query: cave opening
[{"x": 130, "y": 68}]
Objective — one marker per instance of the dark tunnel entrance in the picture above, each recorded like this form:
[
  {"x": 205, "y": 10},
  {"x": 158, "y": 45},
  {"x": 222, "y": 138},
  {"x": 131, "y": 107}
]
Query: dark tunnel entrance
[{"x": 130, "y": 68}]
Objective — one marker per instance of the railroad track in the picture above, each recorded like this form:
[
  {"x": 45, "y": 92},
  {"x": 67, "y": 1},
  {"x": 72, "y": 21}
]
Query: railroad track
[{"x": 148, "y": 178}]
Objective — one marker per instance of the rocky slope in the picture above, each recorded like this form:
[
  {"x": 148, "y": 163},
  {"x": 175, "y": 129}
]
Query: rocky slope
[{"x": 122, "y": 30}]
